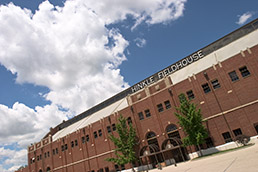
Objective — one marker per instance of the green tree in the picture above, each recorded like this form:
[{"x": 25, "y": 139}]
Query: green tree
[
  {"x": 125, "y": 143},
  {"x": 190, "y": 119}
]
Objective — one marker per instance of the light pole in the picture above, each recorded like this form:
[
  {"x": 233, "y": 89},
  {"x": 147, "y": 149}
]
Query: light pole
[{"x": 223, "y": 115}]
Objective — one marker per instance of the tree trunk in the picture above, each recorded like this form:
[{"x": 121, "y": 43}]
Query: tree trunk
[
  {"x": 200, "y": 150},
  {"x": 133, "y": 170}
]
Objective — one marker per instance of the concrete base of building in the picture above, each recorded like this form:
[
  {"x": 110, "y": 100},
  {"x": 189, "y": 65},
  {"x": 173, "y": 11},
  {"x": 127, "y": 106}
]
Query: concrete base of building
[{"x": 227, "y": 146}]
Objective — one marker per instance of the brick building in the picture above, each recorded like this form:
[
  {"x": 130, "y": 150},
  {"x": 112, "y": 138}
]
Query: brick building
[{"x": 221, "y": 78}]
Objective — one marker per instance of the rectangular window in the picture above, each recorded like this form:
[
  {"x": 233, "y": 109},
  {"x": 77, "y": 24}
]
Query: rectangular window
[
  {"x": 227, "y": 137},
  {"x": 45, "y": 154},
  {"x": 190, "y": 94},
  {"x": 233, "y": 76},
  {"x": 114, "y": 127},
  {"x": 215, "y": 84},
  {"x": 65, "y": 147},
  {"x": 108, "y": 129},
  {"x": 147, "y": 113},
  {"x": 167, "y": 104},
  {"x": 72, "y": 144},
  {"x": 83, "y": 139},
  {"x": 122, "y": 167},
  {"x": 129, "y": 120},
  {"x": 140, "y": 115},
  {"x": 206, "y": 88},
  {"x": 209, "y": 142},
  {"x": 244, "y": 71},
  {"x": 237, "y": 132},
  {"x": 56, "y": 150},
  {"x": 76, "y": 143},
  {"x": 62, "y": 148},
  {"x": 100, "y": 133},
  {"x": 95, "y": 134},
  {"x": 106, "y": 169},
  {"x": 48, "y": 154},
  {"x": 160, "y": 107},
  {"x": 87, "y": 138}
]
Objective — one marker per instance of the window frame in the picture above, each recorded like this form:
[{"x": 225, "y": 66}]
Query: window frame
[
  {"x": 206, "y": 91},
  {"x": 190, "y": 95},
  {"x": 244, "y": 73},
  {"x": 140, "y": 116},
  {"x": 215, "y": 84},
  {"x": 233, "y": 76},
  {"x": 160, "y": 107},
  {"x": 167, "y": 104}
]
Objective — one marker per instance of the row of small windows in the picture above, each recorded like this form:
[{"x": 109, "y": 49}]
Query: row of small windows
[
  {"x": 215, "y": 83},
  {"x": 167, "y": 106},
  {"x": 227, "y": 136},
  {"x": 146, "y": 112}
]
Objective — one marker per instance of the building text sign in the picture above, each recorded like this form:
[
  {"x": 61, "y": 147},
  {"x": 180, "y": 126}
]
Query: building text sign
[{"x": 167, "y": 71}]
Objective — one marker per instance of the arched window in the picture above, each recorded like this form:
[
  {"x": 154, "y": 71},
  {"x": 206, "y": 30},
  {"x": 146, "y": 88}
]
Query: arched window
[
  {"x": 150, "y": 135},
  {"x": 171, "y": 127},
  {"x": 48, "y": 169},
  {"x": 172, "y": 132}
]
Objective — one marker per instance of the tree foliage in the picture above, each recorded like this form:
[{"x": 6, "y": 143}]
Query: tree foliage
[
  {"x": 190, "y": 119},
  {"x": 125, "y": 143}
]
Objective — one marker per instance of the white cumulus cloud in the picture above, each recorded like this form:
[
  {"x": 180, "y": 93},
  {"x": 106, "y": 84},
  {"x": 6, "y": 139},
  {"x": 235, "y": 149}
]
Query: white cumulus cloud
[
  {"x": 71, "y": 51},
  {"x": 244, "y": 17}
]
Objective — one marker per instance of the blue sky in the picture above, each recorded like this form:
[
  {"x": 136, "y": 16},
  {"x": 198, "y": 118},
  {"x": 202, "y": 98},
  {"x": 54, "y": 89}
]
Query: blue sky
[{"x": 72, "y": 55}]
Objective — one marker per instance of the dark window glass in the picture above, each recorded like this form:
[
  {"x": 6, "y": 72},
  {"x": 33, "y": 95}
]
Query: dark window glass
[
  {"x": 76, "y": 143},
  {"x": 114, "y": 127},
  {"x": 83, "y": 139},
  {"x": 122, "y": 167},
  {"x": 45, "y": 154},
  {"x": 190, "y": 94},
  {"x": 56, "y": 150},
  {"x": 95, "y": 134},
  {"x": 209, "y": 142},
  {"x": 233, "y": 76},
  {"x": 106, "y": 169},
  {"x": 215, "y": 84},
  {"x": 87, "y": 138},
  {"x": 72, "y": 144},
  {"x": 62, "y": 148},
  {"x": 48, "y": 154},
  {"x": 160, "y": 107},
  {"x": 244, "y": 71},
  {"x": 167, "y": 104},
  {"x": 256, "y": 128},
  {"x": 117, "y": 167},
  {"x": 237, "y": 132},
  {"x": 37, "y": 158},
  {"x": 150, "y": 135},
  {"x": 101, "y": 170},
  {"x": 108, "y": 129},
  {"x": 65, "y": 147},
  {"x": 206, "y": 88},
  {"x": 40, "y": 157},
  {"x": 227, "y": 137},
  {"x": 140, "y": 115},
  {"x": 171, "y": 128},
  {"x": 129, "y": 120},
  {"x": 100, "y": 133},
  {"x": 147, "y": 113}
]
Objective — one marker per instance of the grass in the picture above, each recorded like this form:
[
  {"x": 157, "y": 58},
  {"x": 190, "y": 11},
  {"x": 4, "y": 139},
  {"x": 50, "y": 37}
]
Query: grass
[{"x": 221, "y": 152}]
